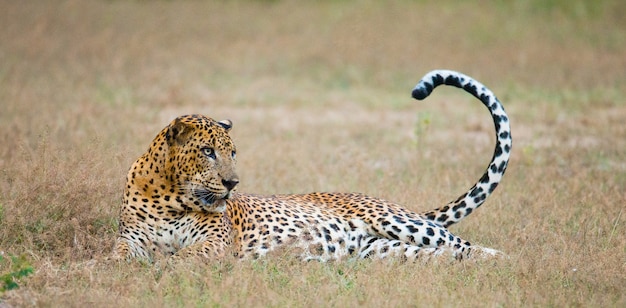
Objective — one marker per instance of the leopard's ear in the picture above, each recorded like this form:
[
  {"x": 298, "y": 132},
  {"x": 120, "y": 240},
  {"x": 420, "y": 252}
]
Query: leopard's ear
[
  {"x": 177, "y": 132},
  {"x": 226, "y": 124}
]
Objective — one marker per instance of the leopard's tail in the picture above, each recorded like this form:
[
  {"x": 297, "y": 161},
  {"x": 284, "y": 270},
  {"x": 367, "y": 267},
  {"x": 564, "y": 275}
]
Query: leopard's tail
[{"x": 456, "y": 210}]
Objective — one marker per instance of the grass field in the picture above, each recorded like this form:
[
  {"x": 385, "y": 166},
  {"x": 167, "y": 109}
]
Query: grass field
[{"x": 319, "y": 93}]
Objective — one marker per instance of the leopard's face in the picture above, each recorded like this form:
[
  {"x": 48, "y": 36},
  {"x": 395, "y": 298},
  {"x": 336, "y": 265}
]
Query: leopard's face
[{"x": 201, "y": 161}]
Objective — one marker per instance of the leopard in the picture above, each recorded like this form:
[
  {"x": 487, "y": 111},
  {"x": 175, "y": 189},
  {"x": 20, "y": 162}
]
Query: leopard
[{"x": 181, "y": 200}]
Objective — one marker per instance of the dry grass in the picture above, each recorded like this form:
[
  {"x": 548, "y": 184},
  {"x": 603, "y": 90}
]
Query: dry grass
[{"x": 319, "y": 97}]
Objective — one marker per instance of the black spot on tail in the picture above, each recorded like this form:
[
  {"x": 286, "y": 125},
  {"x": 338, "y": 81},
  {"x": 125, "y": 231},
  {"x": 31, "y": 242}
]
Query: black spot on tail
[{"x": 421, "y": 93}]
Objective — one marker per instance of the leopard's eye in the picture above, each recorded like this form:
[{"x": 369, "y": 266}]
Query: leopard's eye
[
  {"x": 209, "y": 152},
  {"x": 233, "y": 154}
]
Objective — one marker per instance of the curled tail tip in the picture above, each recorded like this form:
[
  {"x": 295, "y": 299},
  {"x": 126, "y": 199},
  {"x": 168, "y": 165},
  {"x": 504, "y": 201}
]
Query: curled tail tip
[
  {"x": 421, "y": 91},
  {"x": 430, "y": 81}
]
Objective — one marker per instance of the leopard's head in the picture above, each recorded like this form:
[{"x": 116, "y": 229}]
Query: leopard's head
[{"x": 200, "y": 160}]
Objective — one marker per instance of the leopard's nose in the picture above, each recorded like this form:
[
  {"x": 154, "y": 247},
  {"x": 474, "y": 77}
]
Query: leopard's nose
[{"x": 230, "y": 184}]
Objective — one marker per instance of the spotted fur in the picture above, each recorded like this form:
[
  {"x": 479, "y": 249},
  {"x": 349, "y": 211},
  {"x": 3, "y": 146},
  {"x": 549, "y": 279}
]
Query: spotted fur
[{"x": 180, "y": 200}]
